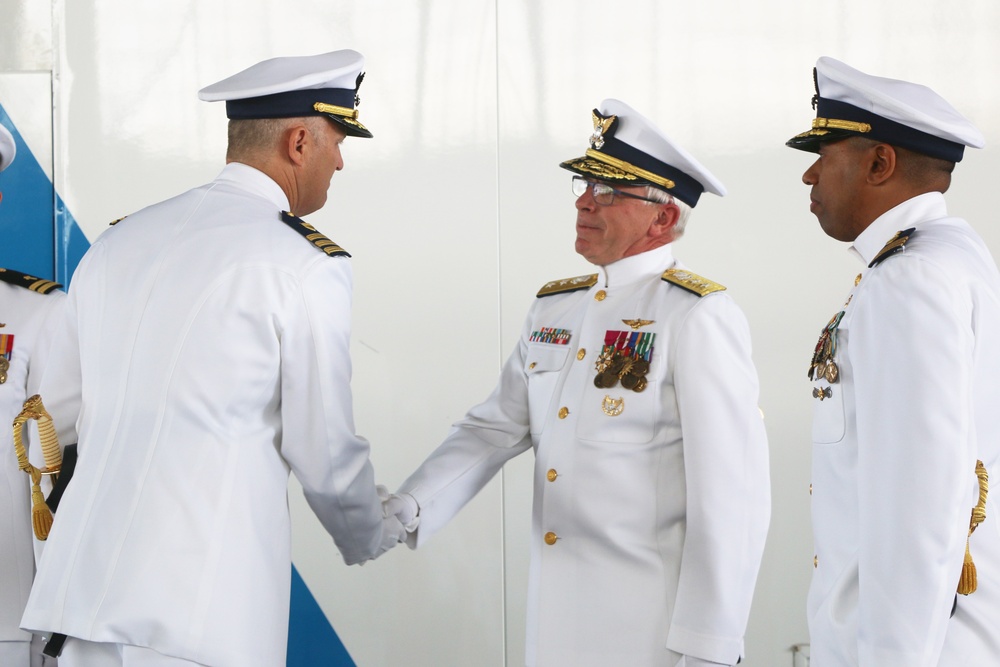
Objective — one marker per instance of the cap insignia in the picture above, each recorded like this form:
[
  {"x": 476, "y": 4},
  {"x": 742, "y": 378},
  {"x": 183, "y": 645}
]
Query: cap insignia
[
  {"x": 568, "y": 285},
  {"x": 815, "y": 98},
  {"x": 601, "y": 125},
  {"x": 692, "y": 282},
  {"x": 357, "y": 84}
]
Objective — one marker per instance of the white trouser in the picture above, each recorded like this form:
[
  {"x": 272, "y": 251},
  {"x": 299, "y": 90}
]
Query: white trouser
[{"x": 82, "y": 653}]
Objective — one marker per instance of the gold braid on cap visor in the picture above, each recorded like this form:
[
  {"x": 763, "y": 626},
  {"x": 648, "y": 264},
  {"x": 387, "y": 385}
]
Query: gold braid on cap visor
[
  {"x": 323, "y": 107},
  {"x": 630, "y": 168},
  {"x": 347, "y": 115},
  {"x": 835, "y": 124}
]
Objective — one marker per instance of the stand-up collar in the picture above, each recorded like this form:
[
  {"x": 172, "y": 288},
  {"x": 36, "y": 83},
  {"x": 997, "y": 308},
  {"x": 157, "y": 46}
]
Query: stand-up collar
[
  {"x": 912, "y": 212},
  {"x": 630, "y": 269},
  {"x": 254, "y": 181}
]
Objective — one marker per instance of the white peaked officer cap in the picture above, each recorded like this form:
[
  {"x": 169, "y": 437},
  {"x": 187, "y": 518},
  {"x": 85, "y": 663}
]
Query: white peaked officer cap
[
  {"x": 850, "y": 103},
  {"x": 296, "y": 86},
  {"x": 7, "y": 148},
  {"x": 627, "y": 149}
]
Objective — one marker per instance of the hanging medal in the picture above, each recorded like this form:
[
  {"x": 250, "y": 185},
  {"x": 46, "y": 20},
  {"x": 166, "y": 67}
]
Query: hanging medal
[
  {"x": 823, "y": 365},
  {"x": 625, "y": 357},
  {"x": 6, "y": 352}
]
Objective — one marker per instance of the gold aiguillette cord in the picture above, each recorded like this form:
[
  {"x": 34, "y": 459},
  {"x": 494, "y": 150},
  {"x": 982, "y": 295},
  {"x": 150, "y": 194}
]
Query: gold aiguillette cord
[
  {"x": 967, "y": 584},
  {"x": 41, "y": 515}
]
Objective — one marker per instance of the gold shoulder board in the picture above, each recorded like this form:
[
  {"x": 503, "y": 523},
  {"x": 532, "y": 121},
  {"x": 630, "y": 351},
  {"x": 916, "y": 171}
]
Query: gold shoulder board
[
  {"x": 567, "y": 285},
  {"x": 39, "y": 285},
  {"x": 313, "y": 236},
  {"x": 692, "y": 282},
  {"x": 896, "y": 244}
]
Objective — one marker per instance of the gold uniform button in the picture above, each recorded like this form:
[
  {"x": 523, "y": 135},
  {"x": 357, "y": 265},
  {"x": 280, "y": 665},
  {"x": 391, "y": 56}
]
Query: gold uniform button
[
  {"x": 550, "y": 538},
  {"x": 599, "y": 296},
  {"x": 581, "y": 353},
  {"x": 551, "y": 475},
  {"x": 810, "y": 489},
  {"x": 531, "y": 365},
  {"x": 563, "y": 412},
  {"x": 815, "y": 561}
]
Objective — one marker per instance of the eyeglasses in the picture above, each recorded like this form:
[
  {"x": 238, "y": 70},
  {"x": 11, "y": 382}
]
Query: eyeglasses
[{"x": 603, "y": 193}]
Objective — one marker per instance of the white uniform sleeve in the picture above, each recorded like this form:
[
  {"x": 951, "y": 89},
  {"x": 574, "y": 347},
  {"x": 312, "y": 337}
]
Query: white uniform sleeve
[
  {"x": 59, "y": 368},
  {"x": 912, "y": 349},
  {"x": 56, "y": 377},
  {"x": 491, "y": 434},
  {"x": 727, "y": 481},
  {"x": 318, "y": 440}
]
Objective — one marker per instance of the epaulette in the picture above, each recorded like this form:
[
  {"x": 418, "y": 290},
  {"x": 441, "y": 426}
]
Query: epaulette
[
  {"x": 692, "y": 282},
  {"x": 896, "y": 244},
  {"x": 313, "y": 236},
  {"x": 39, "y": 285},
  {"x": 115, "y": 222},
  {"x": 567, "y": 285}
]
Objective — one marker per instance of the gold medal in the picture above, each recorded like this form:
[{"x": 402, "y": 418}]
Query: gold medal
[
  {"x": 4, "y": 367},
  {"x": 831, "y": 372},
  {"x": 605, "y": 380}
]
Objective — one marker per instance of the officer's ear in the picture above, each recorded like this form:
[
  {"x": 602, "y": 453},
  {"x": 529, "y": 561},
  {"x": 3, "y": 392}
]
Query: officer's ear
[
  {"x": 297, "y": 139},
  {"x": 880, "y": 161},
  {"x": 667, "y": 216}
]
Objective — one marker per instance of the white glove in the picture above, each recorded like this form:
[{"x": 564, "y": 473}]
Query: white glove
[
  {"x": 392, "y": 534},
  {"x": 404, "y": 507}
]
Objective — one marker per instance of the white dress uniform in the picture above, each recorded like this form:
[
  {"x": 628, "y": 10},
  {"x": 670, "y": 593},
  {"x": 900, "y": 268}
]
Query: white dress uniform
[
  {"x": 210, "y": 341},
  {"x": 906, "y": 399},
  {"x": 27, "y": 310},
  {"x": 650, "y": 508},
  {"x": 896, "y": 439}
]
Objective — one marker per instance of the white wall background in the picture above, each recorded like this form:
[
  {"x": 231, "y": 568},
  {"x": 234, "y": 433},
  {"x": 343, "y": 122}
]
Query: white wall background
[{"x": 457, "y": 212}]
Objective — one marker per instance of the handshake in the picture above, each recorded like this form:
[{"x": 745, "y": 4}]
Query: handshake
[{"x": 400, "y": 518}]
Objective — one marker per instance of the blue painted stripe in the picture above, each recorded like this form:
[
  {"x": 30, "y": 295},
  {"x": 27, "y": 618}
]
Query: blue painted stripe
[
  {"x": 40, "y": 235},
  {"x": 311, "y": 638}
]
